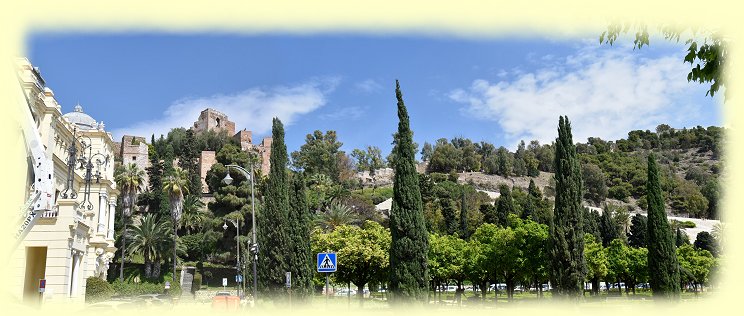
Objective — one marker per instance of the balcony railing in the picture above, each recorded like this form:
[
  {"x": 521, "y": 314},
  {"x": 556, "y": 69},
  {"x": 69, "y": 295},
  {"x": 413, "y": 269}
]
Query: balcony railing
[{"x": 54, "y": 212}]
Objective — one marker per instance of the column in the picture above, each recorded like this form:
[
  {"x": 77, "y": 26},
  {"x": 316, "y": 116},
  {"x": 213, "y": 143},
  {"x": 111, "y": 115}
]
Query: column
[
  {"x": 70, "y": 272},
  {"x": 102, "y": 208},
  {"x": 111, "y": 217},
  {"x": 75, "y": 274}
]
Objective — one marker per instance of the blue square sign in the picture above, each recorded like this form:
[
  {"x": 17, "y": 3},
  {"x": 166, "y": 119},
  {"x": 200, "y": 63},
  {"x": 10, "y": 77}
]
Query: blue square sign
[{"x": 326, "y": 262}]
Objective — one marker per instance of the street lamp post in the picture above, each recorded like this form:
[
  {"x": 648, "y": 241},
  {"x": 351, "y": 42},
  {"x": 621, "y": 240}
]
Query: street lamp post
[
  {"x": 254, "y": 244},
  {"x": 236, "y": 223}
]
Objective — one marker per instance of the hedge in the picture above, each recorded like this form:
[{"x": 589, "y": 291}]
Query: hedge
[
  {"x": 97, "y": 289},
  {"x": 135, "y": 289}
]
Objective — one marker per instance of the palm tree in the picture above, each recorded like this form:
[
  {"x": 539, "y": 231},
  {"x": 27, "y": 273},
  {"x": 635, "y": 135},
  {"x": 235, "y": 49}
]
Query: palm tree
[
  {"x": 175, "y": 185},
  {"x": 195, "y": 215},
  {"x": 130, "y": 180},
  {"x": 337, "y": 214},
  {"x": 148, "y": 235}
]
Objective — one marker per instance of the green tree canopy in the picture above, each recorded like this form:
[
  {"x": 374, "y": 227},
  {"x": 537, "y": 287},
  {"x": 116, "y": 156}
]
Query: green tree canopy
[
  {"x": 319, "y": 154},
  {"x": 362, "y": 252}
]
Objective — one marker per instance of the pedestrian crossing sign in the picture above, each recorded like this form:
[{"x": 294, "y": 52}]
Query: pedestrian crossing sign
[{"x": 326, "y": 262}]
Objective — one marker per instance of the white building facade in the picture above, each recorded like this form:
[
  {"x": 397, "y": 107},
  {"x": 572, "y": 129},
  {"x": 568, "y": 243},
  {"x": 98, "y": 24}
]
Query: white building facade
[{"x": 75, "y": 239}]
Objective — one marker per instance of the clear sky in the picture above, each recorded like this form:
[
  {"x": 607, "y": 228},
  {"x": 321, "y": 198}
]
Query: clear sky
[{"x": 498, "y": 90}]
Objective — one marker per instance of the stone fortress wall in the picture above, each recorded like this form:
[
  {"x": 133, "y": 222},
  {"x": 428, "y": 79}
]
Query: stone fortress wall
[{"x": 211, "y": 119}]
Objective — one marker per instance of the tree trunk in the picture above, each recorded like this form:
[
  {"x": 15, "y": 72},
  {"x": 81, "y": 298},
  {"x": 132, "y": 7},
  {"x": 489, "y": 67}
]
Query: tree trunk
[
  {"x": 148, "y": 266},
  {"x": 484, "y": 287},
  {"x": 175, "y": 236},
  {"x": 123, "y": 250},
  {"x": 539, "y": 289},
  {"x": 360, "y": 293},
  {"x": 156, "y": 268}
]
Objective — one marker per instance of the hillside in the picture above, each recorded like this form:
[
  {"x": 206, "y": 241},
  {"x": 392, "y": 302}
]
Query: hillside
[{"x": 613, "y": 171}]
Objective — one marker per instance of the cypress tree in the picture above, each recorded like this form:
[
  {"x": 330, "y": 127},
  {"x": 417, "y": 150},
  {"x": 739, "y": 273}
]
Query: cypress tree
[
  {"x": 273, "y": 227},
  {"x": 301, "y": 262},
  {"x": 681, "y": 238},
  {"x": 450, "y": 218},
  {"x": 489, "y": 214},
  {"x": 529, "y": 208},
  {"x": 591, "y": 223},
  {"x": 663, "y": 269},
  {"x": 607, "y": 227},
  {"x": 506, "y": 205},
  {"x": 409, "y": 275},
  {"x": 463, "y": 216},
  {"x": 638, "y": 230},
  {"x": 534, "y": 191},
  {"x": 566, "y": 233}
]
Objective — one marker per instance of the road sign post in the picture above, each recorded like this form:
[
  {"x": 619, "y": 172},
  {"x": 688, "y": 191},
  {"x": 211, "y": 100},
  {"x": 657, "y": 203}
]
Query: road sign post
[
  {"x": 288, "y": 284},
  {"x": 326, "y": 263},
  {"x": 224, "y": 283}
]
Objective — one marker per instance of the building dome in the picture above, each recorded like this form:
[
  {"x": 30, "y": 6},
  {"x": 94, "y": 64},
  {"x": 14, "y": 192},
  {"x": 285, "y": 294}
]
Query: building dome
[{"x": 80, "y": 119}]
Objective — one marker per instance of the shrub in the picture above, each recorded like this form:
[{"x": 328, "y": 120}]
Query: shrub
[
  {"x": 196, "y": 284},
  {"x": 134, "y": 289},
  {"x": 175, "y": 289},
  {"x": 97, "y": 289},
  {"x": 438, "y": 177}
]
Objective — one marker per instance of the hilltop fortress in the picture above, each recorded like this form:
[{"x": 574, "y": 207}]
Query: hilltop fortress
[
  {"x": 133, "y": 149},
  {"x": 211, "y": 119}
]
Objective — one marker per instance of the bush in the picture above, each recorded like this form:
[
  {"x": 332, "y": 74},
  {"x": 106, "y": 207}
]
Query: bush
[
  {"x": 196, "y": 284},
  {"x": 134, "y": 289},
  {"x": 674, "y": 224},
  {"x": 97, "y": 289},
  {"x": 438, "y": 177},
  {"x": 175, "y": 289}
]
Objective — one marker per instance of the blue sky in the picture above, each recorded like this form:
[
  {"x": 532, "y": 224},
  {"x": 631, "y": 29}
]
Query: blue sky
[{"x": 498, "y": 90}]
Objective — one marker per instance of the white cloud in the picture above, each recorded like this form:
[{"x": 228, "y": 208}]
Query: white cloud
[
  {"x": 346, "y": 113},
  {"x": 368, "y": 86},
  {"x": 252, "y": 109},
  {"x": 604, "y": 93}
]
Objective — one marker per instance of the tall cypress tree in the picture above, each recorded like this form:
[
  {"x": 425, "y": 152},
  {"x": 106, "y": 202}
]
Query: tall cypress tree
[
  {"x": 608, "y": 227},
  {"x": 463, "y": 216},
  {"x": 448, "y": 212},
  {"x": 663, "y": 269},
  {"x": 300, "y": 258},
  {"x": 506, "y": 205},
  {"x": 409, "y": 271},
  {"x": 273, "y": 227},
  {"x": 566, "y": 233},
  {"x": 638, "y": 231}
]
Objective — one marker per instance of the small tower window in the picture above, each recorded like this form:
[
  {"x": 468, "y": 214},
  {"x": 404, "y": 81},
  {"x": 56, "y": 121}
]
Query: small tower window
[
  {"x": 134, "y": 158},
  {"x": 218, "y": 121}
]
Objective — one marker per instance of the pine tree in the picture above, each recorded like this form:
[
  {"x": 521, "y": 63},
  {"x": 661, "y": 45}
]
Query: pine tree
[
  {"x": 300, "y": 258},
  {"x": 273, "y": 228},
  {"x": 409, "y": 275},
  {"x": 463, "y": 216},
  {"x": 506, "y": 205},
  {"x": 566, "y": 233},
  {"x": 638, "y": 230},
  {"x": 663, "y": 269}
]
